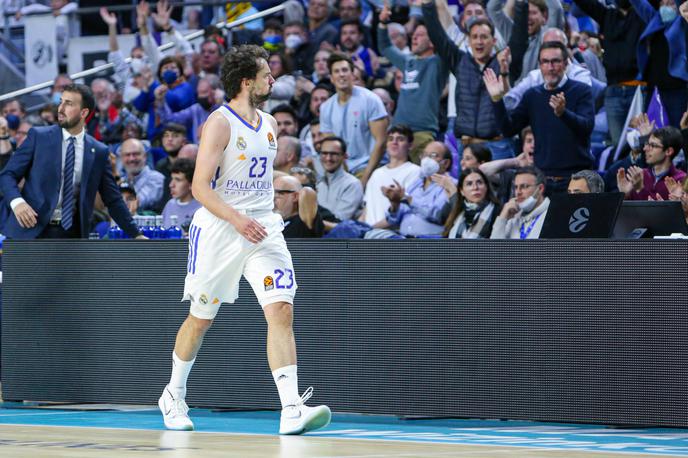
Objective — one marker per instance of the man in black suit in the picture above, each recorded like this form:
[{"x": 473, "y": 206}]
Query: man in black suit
[{"x": 63, "y": 168}]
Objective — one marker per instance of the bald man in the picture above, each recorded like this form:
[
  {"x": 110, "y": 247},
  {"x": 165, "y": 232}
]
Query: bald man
[
  {"x": 298, "y": 207},
  {"x": 147, "y": 182}
]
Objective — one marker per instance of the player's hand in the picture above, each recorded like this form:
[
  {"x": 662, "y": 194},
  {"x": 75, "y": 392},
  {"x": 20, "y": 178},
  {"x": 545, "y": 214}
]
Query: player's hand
[
  {"x": 26, "y": 216},
  {"x": 251, "y": 229}
]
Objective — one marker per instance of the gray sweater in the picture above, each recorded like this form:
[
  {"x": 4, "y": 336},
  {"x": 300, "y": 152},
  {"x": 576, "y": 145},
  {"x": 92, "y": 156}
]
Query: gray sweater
[{"x": 418, "y": 105}]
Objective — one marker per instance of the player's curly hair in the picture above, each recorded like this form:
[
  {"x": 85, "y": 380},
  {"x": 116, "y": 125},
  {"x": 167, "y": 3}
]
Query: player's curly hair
[{"x": 240, "y": 63}]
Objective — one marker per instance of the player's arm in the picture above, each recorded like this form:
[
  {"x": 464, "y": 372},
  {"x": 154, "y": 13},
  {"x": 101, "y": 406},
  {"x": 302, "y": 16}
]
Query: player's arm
[{"x": 214, "y": 139}]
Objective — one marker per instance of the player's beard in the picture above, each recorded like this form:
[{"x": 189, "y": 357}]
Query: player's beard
[{"x": 257, "y": 99}]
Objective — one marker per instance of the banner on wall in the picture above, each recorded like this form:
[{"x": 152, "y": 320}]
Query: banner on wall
[{"x": 41, "y": 48}]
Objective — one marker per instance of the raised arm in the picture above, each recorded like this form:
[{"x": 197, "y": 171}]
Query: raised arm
[{"x": 445, "y": 48}]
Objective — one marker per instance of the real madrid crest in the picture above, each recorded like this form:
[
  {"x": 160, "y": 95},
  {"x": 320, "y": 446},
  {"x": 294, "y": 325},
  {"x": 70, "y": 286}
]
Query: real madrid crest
[
  {"x": 271, "y": 139},
  {"x": 241, "y": 143}
]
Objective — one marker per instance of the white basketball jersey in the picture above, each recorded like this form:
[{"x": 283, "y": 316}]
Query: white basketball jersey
[{"x": 244, "y": 176}]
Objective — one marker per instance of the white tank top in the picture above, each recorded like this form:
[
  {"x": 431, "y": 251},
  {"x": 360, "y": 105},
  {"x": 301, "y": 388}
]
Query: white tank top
[{"x": 243, "y": 178}]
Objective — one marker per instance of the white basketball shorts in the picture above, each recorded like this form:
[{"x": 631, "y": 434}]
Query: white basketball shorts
[{"x": 219, "y": 255}]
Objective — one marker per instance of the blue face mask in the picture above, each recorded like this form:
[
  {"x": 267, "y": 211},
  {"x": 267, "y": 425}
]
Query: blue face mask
[
  {"x": 667, "y": 13},
  {"x": 13, "y": 121},
  {"x": 56, "y": 98},
  {"x": 169, "y": 76}
]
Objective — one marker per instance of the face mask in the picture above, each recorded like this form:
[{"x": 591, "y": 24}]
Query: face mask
[
  {"x": 56, "y": 98},
  {"x": 12, "y": 121},
  {"x": 293, "y": 41},
  {"x": 205, "y": 103},
  {"x": 528, "y": 205},
  {"x": 667, "y": 13},
  {"x": 137, "y": 64},
  {"x": 633, "y": 139},
  {"x": 428, "y": 167},
  {"x": 169, "y": 76}
]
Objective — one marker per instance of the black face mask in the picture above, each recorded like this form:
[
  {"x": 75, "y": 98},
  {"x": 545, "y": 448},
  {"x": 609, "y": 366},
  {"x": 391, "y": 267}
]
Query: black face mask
[{"x": 205, "y": 103}]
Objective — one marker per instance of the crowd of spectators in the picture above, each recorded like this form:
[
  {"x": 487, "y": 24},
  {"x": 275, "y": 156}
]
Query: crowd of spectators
[{"x": 418, "y": 118}]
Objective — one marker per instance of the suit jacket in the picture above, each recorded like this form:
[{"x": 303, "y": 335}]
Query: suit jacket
[{"x": 39, "y": 161}]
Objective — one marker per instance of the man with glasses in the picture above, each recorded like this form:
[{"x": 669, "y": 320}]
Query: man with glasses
[
  {"x": 523, "y": 215},
  {"x": 660, "y": 150},
  {"x": 560, "y": 112},
  {"x": 338, "y": 191},
  {"x": 298, "y": 206}
]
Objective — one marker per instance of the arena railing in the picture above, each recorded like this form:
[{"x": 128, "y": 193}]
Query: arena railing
[{"x": 164, "y": 47}]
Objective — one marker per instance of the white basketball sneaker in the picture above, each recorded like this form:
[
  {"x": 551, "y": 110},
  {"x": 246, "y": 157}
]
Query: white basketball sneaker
[
  {"x": 299, "y": 418},
  {"x": 175, "y": 412}
]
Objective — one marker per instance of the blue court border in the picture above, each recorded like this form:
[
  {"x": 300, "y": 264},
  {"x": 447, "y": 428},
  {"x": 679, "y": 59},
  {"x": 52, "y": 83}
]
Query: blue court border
[{"x": 535, "y": 435}]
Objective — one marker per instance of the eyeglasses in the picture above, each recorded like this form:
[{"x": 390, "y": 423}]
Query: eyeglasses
[
  {"x": 523, "y": 187},
  {"x": 655, "y": 145},
  {"x": 301, "y": 171},
  {"x": 331, "y": 153},
  {"x": 551, "y": 61},
  {"x": 284, "y": 191},
  {"x": 434, "y": 155}
]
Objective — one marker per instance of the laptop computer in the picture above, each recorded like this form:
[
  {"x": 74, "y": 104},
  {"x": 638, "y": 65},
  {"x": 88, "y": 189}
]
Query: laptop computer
[
  {"x": 647, "y": 218},
  {"x": 575, "y": 216}
]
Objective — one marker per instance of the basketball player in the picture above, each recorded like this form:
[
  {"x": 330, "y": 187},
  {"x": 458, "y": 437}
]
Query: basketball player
[{"x": 235, "y": 233}]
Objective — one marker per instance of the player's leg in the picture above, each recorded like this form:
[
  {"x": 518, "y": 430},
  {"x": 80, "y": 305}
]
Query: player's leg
[
  {"x": 270, "y": 272},
  {"x": 213, "y": 273}
]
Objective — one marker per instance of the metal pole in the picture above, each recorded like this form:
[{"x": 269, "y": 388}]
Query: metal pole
[{"x": 191, "y": 36}]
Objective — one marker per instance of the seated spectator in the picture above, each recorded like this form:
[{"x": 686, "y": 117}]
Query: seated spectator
[
  {"x": 287, "y": 122},
  {"x": 174, "y": 136},
  {"x": 338, "y": 191},
  {"x": 321, "y": 72},
  {"x": 188, "y": 151},
  {"x": 147, "y": 182},
  {"x": 586, "y": 182},
  {"x": 641, "y": 184},
  {"x": 398, "y": 170},
  {"x": 288, "y": 153},
  {"x": 298, "y": 46},
  {"x": 475, "y": 207},
  {"x": 182, "y": 204},
  {"x": 298, "y": 207},
  {"x": 109, "y": 120},
  {"x": 311, "y": 110},
  {"x": 398, "y": 37},
  {"x": 129, "y": 196},
  {"x": 523, "y": 215},
  {"x": 637, "y": 137},
  {"x": 356, "y": 114},
  {"x": 305, "y": 176},
  {"x": 417, "y": 211}
]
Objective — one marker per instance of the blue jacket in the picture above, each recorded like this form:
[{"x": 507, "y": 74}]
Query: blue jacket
[
  {"x": 39, "y": 161},
  {"x": 675, "y": 33}
]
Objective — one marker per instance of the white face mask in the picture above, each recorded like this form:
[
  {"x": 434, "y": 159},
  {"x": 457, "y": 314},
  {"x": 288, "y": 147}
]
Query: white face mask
[
  {"x": 528, "y": 205},
  {"x": 293, "y": 41},
  {"x": 428, "y": 167},
  {"x": 633, "y": 139},
  {"x": 137, "y": 64}
]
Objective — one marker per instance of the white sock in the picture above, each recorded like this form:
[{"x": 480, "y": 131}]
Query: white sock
[
  {"x": 180, "y": 372},
  {"x": 287, "y": 385}
]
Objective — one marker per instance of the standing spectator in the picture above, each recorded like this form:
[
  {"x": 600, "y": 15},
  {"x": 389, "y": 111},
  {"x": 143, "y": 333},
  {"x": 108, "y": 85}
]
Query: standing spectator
[
  {"x": 356, "y": 114},
  {"x": 208, "y": 97},
  {"x": 109, "y": 120},
  {"x": 476, "y": 120},
  {"x": 320, "y": 30},
  {"x": 660, "y": 150},
  {"x": 298, "y": 47},
  {"x": 522, "y": 217},
  {"x": 48, "y": 205},
  {"x": 425, "y": 76},
  {"x": 542, "y": 14},
  {"x": 560, "y": 113},
  {"x": 661, "y": 53},
  {"x": 338, "y": 191},
  {"x": 182, "y": 204}
]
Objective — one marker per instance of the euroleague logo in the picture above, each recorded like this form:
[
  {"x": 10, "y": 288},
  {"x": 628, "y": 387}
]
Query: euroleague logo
[{"x": 579, "y": 220}]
